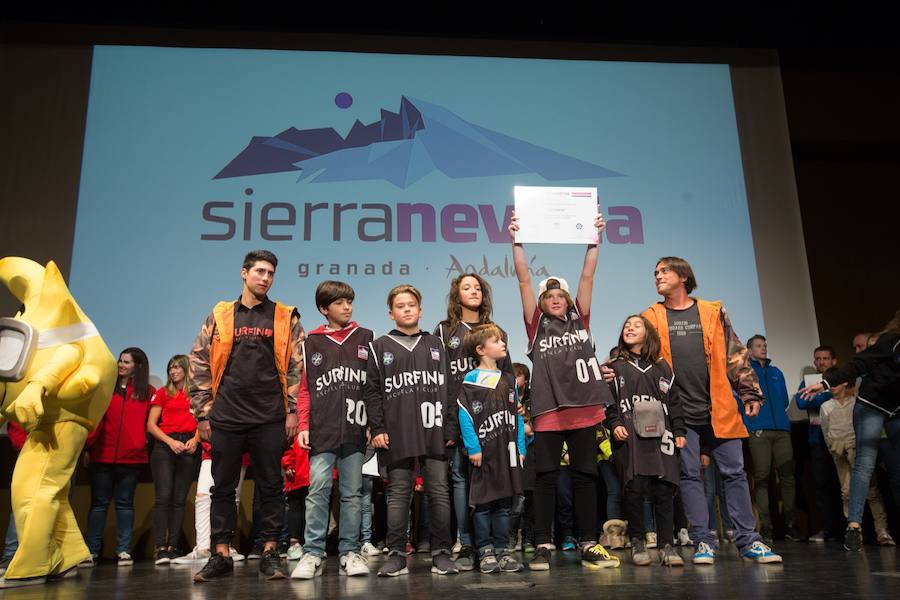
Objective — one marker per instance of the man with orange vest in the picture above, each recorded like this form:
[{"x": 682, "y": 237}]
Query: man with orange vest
[
  {"x": 245, "y": 371},
  {"x": 709, "y": 361}
]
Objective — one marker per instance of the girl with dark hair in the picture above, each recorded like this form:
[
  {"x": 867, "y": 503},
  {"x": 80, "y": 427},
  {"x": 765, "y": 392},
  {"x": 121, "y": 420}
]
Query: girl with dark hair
[
  {"x": 116, "y": 450},
  {"x": 174, "y": 459},
  {"x": 469, "y": 304},
  {"x": 647, "y": 422}
]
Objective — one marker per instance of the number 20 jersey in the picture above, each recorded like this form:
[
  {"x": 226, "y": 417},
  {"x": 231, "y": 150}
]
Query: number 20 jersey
[{"x": 335, "y": 375}]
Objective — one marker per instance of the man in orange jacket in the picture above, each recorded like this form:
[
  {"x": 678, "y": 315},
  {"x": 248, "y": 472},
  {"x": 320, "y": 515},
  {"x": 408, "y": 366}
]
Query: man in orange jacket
[
  {"x": 245, "y": 371},
  {"x": 709, "y": 363}
]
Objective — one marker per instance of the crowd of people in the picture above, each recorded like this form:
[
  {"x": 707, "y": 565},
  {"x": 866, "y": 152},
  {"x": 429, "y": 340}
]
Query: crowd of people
[{"x": 643, "y": 450}]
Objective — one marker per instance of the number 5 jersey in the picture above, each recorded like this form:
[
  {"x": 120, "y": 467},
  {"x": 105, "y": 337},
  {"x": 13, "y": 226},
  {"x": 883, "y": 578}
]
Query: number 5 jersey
[
  {"x": 649, "y": 408},
  {"x": 406, "y": 396}
]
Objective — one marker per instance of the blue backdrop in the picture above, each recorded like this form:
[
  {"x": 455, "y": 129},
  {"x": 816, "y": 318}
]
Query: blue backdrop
[{"x": 384, "y": 169}]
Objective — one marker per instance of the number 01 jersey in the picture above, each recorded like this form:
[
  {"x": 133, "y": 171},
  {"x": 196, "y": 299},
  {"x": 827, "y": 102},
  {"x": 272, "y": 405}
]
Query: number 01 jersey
[
  {"x": 335, "y": 375},
  {"x": 644, "y": 382},
  {"x": 493, "y": 419},
  {"x": 406, "y": 396},
  {"x": 565, "y": 371}
]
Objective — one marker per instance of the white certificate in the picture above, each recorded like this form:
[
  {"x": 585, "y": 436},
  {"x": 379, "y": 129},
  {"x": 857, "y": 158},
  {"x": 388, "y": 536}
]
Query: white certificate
[{"x": 556, "y": 215}]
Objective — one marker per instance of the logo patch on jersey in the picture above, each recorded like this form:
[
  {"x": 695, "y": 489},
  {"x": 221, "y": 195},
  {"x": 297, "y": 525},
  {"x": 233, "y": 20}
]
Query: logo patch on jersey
[
  {"x": 454, "y": 342},
  {"x": 362, "y": 353},
  {"x": 512, "y": 396},
  {"x": 316, "y": 359},
  {"x": 664, "y": 385},
  {"x": 477, "y": 406},
  {"x": 546, "y": 321},
  {"x": 621, "y": 381},
  {"x": 573, "y": 315},
  {"x": 435, "y": 354},
  {"x": 388, "y": 358}
]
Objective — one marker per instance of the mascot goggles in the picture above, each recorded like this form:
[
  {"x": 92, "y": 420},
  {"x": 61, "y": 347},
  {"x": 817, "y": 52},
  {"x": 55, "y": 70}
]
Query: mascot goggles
[{"x": 18, "y": 341}]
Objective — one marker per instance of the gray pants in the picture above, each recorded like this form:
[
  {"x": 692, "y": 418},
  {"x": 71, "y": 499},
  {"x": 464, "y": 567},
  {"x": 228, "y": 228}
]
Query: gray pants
[
  {"x": 729, "y": 456},
  {"x": 768, "y": 446},
  {"x": 401, "y": 480}
]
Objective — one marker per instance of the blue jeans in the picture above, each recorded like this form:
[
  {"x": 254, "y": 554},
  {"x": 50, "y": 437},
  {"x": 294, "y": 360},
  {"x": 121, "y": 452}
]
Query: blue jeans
[
  {"x": 613, "y": 490},
  {"x": 459, "y": 471},
  {"x": 868, "y": 423},
  {"x": 349, "y": 461},
  {"x": 712, "y": 482},
  {"x": 12, "y": 540},
  {"x": 365, "y": 526},
  {"x": 729, "y": 455},
  {"x": 492, "y": 525},
  {"x": 111, "y": 483}
]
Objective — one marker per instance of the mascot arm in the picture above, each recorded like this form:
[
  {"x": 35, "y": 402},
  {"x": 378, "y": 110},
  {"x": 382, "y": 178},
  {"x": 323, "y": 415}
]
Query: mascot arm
[
  {"x": 28, "y": 407},
  {"x": 81, "y": 384}
]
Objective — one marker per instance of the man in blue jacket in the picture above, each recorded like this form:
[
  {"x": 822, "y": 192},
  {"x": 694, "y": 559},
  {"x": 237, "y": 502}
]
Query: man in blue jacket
[
  {"x": 770, "y": 440},
  {"x": 828, "y": 495}
]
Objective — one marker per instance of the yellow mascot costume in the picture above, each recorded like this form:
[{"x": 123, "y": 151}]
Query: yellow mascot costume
[{"x": 56, "y": 380}]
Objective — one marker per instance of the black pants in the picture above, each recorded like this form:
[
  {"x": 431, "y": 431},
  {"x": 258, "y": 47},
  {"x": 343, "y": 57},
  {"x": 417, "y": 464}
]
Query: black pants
[
  {"x": 172, "y": 477},
  {"x": 582, "y": 447},
  {"x": 296, "y": 501},
  {"x": 401, "y": 479},
  {"x": 662, "y": 495},
  {"x": 265, "y": 443},
  {"x": 522, "y": 516}
]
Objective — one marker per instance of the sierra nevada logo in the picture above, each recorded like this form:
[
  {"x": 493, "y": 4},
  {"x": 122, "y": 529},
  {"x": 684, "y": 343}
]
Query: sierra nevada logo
[{"x": 402, "y": 148}]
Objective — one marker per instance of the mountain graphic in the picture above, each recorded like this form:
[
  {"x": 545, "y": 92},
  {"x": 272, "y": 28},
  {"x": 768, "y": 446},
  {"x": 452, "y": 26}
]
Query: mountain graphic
[{"x": 404, "y": 147}]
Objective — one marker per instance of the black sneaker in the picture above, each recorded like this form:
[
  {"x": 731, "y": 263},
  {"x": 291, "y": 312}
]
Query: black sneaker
[
  {"x": 162, "y": 556},
  {"x": 465, "y": 560},
  {"x": 395, "y": 565},
  {"x": 217, "y": 566},
  {"x": 853, "y": 539},
  {"x": 540, "y": 560},
  {"x": 792, "y": 533},
  {"x": 442, "y": 564},
  {"x": 271, "y": 566},
  {"x": 255, "y": 553},
  {"x": 765, "y": 533}
]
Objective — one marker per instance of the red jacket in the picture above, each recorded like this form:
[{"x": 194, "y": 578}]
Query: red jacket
[
  {"x": 17, "y": 435},
  {"x": 121, "y": 437},
  {"x": 295, "y": 458}
]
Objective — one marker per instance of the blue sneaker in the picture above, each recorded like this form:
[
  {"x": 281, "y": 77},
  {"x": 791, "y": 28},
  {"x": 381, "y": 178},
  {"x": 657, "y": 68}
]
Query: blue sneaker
[
  {"x": 704, "y": 554},
  {"x": 569, "y": 543},
  {"x": 759, "y": 552}
]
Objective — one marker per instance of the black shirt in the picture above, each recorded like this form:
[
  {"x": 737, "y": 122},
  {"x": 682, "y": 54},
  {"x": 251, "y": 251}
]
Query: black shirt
[
  {"x": 250, "y": 392},
  {"x": 689, "y": 363}
]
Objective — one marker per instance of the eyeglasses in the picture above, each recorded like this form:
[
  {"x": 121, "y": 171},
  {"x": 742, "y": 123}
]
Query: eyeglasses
[{"x": 661, "y": 271}]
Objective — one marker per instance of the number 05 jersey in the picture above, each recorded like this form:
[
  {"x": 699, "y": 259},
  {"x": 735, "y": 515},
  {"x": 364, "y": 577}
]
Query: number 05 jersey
[
  {"x": 406, "y": 396},
  {"x": 335, "y": 375}
]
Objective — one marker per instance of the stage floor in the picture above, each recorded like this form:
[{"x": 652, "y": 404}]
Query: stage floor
[{"x": 809, "y": 572}]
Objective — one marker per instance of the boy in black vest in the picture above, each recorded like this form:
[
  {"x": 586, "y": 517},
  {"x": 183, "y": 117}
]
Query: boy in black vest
[
  {"x": 332, "y": 422},
  {"x": 409, "y": 421}
]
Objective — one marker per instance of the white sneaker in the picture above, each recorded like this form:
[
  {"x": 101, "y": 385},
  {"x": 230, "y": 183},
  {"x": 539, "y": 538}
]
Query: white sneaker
[
  {"x": 89, "y": 562},
  {"x": 295, "y": 552},
  {"x": 650, "y": 539},
  {"x": 235, "y": 555},
  {"x": 194, "y": 556},
  {"x": 125, "y": 559},
  {"x": 369, "y": 550},
  {"x": 354, "y": 564},
  {"x": 309, "y": 566},
  {"x": 684, "y": 538}
]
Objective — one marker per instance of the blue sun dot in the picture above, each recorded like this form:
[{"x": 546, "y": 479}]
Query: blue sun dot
[{"x": 343, "y": 100}]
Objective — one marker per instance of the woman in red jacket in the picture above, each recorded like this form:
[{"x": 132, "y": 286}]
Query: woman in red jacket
[
  {"x": 174, "y": 459},
  {"x": 117, "y": 449}
]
